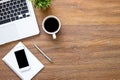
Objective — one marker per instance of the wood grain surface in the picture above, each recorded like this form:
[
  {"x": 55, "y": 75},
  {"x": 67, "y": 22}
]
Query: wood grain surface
[{"x": 87, "y": 46}]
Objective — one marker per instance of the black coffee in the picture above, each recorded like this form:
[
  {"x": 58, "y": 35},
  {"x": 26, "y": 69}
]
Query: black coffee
[{"x": 51, "y": 24}]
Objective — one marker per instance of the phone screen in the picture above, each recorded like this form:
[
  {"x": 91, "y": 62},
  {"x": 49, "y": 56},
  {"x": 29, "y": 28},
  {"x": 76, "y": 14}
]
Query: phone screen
[{"x": 21, "y": 58}]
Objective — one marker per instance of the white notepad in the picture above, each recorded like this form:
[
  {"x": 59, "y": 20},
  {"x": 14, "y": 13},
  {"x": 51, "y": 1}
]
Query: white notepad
[{"x": 35, "y": 64}]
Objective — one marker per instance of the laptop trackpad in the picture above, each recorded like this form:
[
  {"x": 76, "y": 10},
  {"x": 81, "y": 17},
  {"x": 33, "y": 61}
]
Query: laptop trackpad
[{"x": 8, "y": 33}]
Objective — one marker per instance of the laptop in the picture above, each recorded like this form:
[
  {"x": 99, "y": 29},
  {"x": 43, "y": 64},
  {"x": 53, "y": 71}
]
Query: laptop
[{"x": 17, "y": 20}]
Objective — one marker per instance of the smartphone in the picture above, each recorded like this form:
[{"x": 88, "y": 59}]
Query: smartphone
[{"x": 21, "y": 58}]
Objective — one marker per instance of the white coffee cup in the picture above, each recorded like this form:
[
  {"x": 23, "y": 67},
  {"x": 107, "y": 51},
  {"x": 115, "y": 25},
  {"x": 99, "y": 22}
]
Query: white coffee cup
[{"x": 51, "y": 25}]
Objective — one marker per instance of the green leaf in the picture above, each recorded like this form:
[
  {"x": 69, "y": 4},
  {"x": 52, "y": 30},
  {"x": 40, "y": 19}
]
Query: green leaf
[{"x": 41, "y": 3}]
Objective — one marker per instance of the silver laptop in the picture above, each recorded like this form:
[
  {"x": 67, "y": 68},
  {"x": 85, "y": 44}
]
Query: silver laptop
[{"x": 17, "y": 20}]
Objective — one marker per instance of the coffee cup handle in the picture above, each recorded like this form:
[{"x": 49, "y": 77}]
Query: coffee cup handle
[{"x": 54, "y": 36}]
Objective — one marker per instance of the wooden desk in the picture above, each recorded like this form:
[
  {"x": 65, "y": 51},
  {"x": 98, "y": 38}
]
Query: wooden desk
[{"x": 87, "y": 46}]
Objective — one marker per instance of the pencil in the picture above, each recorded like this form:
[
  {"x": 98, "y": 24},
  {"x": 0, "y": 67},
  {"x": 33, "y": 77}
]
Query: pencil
[{"x": 48, "y": 58}]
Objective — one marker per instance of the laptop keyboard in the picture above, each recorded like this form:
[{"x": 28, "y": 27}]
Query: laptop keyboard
[{"x": 13, "y": 10}]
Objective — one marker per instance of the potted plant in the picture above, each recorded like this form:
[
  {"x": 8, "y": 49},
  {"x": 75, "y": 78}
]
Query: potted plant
[{"x": 43, "y": 4}]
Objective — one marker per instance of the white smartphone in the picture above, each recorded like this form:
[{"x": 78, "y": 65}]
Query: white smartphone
[{"x": 21, "y": 59}]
